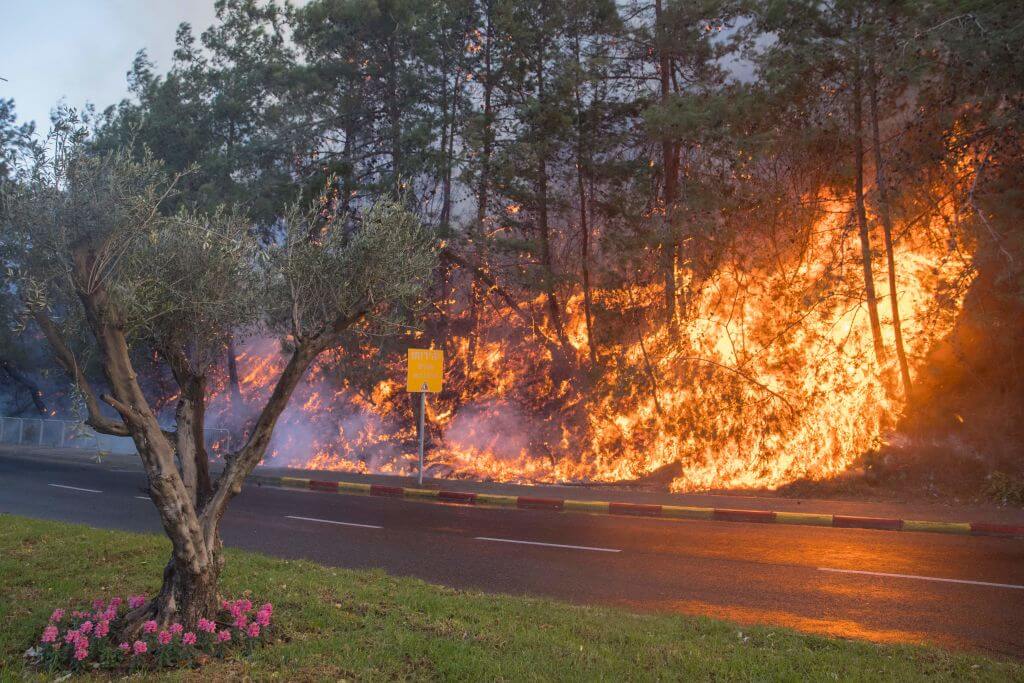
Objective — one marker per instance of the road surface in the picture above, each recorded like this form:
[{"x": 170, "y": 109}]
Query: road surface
[{"x": 956, "y": 591}]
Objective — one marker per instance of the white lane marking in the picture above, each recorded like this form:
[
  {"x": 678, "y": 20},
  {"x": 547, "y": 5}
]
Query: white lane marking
[
  {"x": 143, "y": 497},
  {"x": 75, "y": 488},
  {"x": 331, "y": 521},
  {"x": 549, "y": 545},
  {"x": 922, "y": 578}
]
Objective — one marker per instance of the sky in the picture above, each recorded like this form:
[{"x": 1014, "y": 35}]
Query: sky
[{"x": 81, "y": 50}]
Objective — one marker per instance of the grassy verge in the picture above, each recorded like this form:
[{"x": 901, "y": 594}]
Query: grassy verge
[{"x": 366, "y": 625}]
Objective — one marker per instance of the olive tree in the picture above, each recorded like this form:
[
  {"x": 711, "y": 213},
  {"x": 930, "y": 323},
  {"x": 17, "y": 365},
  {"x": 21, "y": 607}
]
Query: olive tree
[{"x": 102, "y": 270}]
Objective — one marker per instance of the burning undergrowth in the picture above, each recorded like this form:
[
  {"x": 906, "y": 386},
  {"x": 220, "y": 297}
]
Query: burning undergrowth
[{"x": 770, "y": 377}]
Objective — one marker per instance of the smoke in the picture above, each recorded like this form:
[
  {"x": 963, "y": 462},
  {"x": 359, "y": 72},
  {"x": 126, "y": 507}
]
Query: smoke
[{"x": 497, "y": 427}]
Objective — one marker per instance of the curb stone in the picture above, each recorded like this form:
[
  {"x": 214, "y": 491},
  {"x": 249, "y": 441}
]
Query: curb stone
[{"x": 646, "y": 510}]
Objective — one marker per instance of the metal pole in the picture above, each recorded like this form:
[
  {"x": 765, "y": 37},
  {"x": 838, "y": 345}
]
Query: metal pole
[{"x": 423, "y": 415}]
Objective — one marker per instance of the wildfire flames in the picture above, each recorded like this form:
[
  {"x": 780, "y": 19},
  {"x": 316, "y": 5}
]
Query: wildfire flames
[{"x": 770, "y": 377}]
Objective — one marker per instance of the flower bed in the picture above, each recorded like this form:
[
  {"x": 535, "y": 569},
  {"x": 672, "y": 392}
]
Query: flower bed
[{"x": 76, "y": 640}]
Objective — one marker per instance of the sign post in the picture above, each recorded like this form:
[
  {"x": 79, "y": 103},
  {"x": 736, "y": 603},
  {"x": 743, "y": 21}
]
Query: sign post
[{"x": 424, "y": 375}]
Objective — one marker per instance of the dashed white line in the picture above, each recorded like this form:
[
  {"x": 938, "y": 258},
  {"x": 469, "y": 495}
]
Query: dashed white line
[
  {"x": 143, "y": 497},
  {"x": 549, "y": 545},
  {"x": 921, "y": 578},
  {"x": 331, "y": 521},
  {"x": 74, "y": 488}
]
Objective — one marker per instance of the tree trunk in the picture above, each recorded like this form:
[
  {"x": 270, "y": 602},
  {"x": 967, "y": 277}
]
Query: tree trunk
[
  {"x": 546, "y": 256},
  {"x": 394, "y": 113},
  {"x": 233, "y": 383},
  {"x": 185, "y": 596},
  {"x": 582, "y": 172},
  {"x": 670, "y": 171},
  {"x": 886, "y": 216},
  {"x": 478, "y": 232},
  {"x": 862, "y": 221},
  {"x": 190, "y": 580},
  {"x": 485, "y": 161}
]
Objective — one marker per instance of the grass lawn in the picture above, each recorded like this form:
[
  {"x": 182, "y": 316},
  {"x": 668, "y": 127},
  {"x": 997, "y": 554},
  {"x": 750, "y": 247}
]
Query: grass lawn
[{"x": 365, "y": 625}]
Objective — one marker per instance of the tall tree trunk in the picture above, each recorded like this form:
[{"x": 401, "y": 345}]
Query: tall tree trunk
[
  {"x": 862, "y": 221},
  {"x": 886, "y": 216},
  {"x": 446, "y": 130},
  {"x": 347, "y": 179},
  {"x": 488, "y": 122},
  {"x": 582, "y": 173},
  {"x": 394, "y": 113},
  {"x": 544, "y": 228},
  {"x": 483, "y": 186},
  {"x": 670, "y": 172}
]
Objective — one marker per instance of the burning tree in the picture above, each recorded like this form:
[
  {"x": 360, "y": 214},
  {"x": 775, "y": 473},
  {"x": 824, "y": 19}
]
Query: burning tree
[{"x": 110, "y": 278}]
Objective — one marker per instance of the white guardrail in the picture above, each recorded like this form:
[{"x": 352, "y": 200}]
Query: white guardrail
[{"x": 54, "y": 433}]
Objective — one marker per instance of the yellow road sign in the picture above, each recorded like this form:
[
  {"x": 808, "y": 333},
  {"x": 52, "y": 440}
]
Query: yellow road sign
[{"x": 425, "y": 368}]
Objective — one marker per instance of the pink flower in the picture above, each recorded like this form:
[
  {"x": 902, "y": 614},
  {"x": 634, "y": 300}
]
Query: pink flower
[
  {"x": 136, "y": 601},
  {"x": 263, "y": 618},
  {"x": 98, "y": 604},
  {"x": 102, "y": 628},
  {"x": 253, "y": 630},
  {"x": 223, "y": 636},
  {"x": 71, "y": 636},
  {"x": 85, "y": 627},
  {"x": 224, "y": 604},
  {"x": 115, "y": 602},
  {"x": 50, "y": 634},
  {"x": 81, "y": 642},
  {"x": 241, "y": 622},
  {"x": 150, "y": 627},
  {"x": 164, "y": 638},
  {"x": 189, "y": 638},
  {"x": 176, "y": 628},
  {"x": 110, "y": 614},
  {"x": 57, "y": 615},
  {"x": 267, "y": 607},
  {"x": 246, "y": 605},
  {"x": 207, "y": 625},
  {"x": 124, "y": 647},
  {"x": 81, "y": 653},
  {"x": 139, "y": 647}
]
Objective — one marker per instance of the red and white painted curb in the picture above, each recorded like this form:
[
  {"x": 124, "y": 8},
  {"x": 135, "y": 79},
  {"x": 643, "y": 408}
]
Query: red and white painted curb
[{"x": 648, "y": 510}]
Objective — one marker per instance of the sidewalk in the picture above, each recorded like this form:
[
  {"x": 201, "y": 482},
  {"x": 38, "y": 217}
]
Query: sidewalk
[{"x": 990, "y": 514}]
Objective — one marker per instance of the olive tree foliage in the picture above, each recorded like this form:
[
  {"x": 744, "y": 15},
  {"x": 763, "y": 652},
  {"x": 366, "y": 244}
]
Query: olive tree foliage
[{"x": 99, "y": 266}]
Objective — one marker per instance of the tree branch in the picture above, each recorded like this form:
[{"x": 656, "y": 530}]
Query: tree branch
[{"x": 66, "y": 359}]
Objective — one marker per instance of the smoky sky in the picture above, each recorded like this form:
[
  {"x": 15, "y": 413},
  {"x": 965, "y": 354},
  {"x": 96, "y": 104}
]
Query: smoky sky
[{"x": 80, "y": 51}]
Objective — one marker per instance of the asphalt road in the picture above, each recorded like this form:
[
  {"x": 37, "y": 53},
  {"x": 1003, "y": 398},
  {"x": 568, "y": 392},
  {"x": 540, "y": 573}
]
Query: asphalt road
[{"x": 956, "y": 591}]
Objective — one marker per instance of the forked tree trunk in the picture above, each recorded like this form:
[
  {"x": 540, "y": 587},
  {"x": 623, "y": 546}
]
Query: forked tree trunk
[
  {"x": 185, "y": 596},
  {"x": 190, "y": 510}
]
